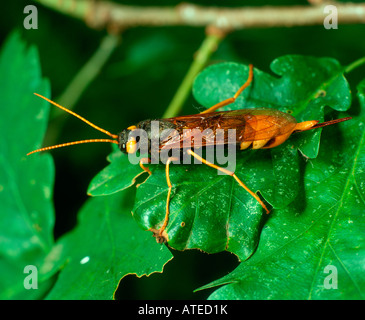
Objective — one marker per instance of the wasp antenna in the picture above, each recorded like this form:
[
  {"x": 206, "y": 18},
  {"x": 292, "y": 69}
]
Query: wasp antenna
[
  {"x": 114, "y": 136},
  {"x": 71, "y": 144}
]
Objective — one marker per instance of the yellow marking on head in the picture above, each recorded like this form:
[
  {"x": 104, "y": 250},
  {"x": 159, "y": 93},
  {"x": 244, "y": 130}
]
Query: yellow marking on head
[{"x": 131, "y": 146}]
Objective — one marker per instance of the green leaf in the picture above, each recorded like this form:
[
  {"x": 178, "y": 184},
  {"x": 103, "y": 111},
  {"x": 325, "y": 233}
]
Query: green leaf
[
  {"x": 117, "y": 176},
  {"x": 202, "y": 204},
  {"x": 105, "y": 246},
  {"x": 212, "y": 212},
  {"x": 26, "y": 183},
  {"x": 317, "y": 252}
]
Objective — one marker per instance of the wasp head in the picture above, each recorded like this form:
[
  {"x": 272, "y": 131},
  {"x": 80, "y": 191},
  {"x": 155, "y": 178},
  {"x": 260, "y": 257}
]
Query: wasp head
[{"x": 127, "y": 143}]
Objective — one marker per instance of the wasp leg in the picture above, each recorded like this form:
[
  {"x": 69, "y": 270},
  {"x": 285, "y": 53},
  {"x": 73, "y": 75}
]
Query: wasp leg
[
  {"x": 231, "y": 174},
  {"x": 233, "y": 99},
  {"x": 145, "y": 169},
  {"x": 161, "y": 236},
  {"x": 144, "y": 161}
]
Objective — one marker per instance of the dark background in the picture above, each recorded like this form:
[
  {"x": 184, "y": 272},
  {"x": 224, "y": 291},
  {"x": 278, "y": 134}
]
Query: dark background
[{"x": 137, "y": 83}]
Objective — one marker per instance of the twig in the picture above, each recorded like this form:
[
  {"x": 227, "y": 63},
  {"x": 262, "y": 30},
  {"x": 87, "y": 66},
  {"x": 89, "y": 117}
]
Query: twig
[
  {"x": 89, "y": 71},
  {"x": 103, "y": 14},
  {"x": 355, "y": 65},
  {"x": 208, "y": 46}
]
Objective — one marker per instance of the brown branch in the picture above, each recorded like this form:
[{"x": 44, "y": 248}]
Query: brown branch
[{"x": 105, "y": 14}]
